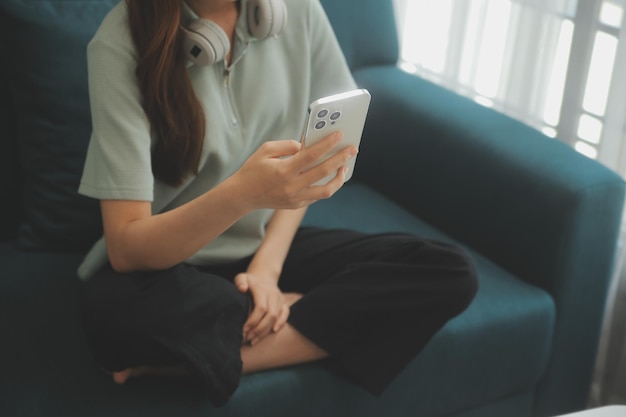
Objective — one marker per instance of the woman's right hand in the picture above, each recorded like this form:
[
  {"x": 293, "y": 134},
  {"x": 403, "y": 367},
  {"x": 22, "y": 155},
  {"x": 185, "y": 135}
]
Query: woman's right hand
[{"x": 270, "y": 180}]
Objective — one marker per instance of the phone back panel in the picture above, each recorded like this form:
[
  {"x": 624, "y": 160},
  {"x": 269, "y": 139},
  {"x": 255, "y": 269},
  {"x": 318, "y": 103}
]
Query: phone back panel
[{"x": 345, "y": 112}]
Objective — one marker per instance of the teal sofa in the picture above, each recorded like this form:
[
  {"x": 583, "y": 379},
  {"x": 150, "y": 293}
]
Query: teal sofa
[{"x": 540, "y": 220}]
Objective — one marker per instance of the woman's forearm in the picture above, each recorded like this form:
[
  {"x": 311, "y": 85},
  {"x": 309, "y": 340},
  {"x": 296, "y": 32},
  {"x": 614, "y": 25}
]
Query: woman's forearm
[
  {"x": 137, "y": 240},
  {"x": 279, "y": 234}
]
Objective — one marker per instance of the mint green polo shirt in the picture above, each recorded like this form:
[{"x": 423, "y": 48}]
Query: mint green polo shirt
[{"x": 263, "y": 96}]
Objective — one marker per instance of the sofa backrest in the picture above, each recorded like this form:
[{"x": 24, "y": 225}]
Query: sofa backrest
[
  {"x": 366, "y": 30},
  {"x": 44, "y": 108},
  {"x": 44, "y": 81}
]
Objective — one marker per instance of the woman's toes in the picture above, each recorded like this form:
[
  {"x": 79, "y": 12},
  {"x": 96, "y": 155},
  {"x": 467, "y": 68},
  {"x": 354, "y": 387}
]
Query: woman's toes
[{"x": 121, "y": 376}]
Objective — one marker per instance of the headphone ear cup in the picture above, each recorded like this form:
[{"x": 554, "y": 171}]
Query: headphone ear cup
[
  {"x": 205, "y": 42},
  {"x": 266, "y": 18}
]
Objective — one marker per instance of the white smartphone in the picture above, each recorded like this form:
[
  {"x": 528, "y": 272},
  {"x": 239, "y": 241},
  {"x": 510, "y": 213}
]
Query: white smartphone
[{"x": 345, "y": 112}]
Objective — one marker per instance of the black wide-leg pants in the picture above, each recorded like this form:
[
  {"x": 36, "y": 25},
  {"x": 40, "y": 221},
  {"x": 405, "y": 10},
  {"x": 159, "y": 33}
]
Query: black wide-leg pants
[{"x": 371, "y": 301}]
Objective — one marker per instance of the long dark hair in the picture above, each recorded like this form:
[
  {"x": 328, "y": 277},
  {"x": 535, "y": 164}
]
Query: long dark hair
[{"x": 174, "y": 111}]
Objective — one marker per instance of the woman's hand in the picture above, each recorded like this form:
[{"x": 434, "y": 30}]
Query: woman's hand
[
  {"x": 270, "y": 310},
  {"x": 280, "y": 174}
]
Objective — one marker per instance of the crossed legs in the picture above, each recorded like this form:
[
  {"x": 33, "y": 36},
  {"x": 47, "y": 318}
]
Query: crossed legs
[
  {"x": 287, "y": 347},
  {"x": 385, "y": 294}
]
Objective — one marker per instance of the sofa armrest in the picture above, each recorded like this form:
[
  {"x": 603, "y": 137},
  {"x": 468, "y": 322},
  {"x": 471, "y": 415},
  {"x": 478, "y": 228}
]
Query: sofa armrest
[{"x": 529, "y": 203}]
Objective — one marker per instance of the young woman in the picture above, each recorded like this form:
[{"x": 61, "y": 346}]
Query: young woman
[{"x": 203, "y": 269}]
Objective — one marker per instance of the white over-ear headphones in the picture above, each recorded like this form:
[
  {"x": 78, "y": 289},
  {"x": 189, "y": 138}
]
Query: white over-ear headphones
[{"x": 206, "y": 42}]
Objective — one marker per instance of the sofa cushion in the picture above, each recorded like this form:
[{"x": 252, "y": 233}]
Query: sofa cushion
[
  {"x": 46, "y": 41},
  {"x": 497, "y": 349}
]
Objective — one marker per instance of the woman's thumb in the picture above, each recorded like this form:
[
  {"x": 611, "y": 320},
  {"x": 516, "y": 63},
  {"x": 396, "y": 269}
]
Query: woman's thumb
[{"x": 241, "y": 282}]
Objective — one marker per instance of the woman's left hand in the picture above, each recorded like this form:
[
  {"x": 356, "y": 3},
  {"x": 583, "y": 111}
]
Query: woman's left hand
[{"x": 270, "y": 310}]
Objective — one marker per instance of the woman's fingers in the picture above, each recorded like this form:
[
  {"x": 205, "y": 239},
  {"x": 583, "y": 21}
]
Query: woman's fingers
[
  {"x": 273, "y": 322},
  {"x": 333, "y": 165},
  {"x": 314, "y": 163},
  {"x": 271, "y": 315},
  {"x": 269, "y": 180},
  {"x": 282, "y": 318},
  {"x": 259, "y": 310},
  {"x": 311, "y": 156}
]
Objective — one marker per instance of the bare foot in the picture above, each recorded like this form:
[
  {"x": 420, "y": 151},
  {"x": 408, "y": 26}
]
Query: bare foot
[{"x": 122, "y": 376}]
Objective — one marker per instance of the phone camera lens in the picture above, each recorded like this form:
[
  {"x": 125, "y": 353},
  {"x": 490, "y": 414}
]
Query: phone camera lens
[
  {"x": 320, "y": 125},
  {"x": 336, "y": 115},
  {"x": 322, "y": 113}
]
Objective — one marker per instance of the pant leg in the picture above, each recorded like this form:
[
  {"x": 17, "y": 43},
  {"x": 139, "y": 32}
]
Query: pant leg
[
  {"x": 374, "y": 301},
  {"x": 176, "y": 317}
]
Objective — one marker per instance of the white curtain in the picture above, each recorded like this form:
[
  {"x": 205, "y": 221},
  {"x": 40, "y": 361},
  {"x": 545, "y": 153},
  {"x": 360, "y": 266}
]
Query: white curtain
[{"x": 557, "y": 65}]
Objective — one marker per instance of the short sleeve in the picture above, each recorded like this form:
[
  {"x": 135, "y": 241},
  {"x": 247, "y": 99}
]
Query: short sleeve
[
  {"x": 330, "y": 73},
  {"x": 118, "y": 164}
]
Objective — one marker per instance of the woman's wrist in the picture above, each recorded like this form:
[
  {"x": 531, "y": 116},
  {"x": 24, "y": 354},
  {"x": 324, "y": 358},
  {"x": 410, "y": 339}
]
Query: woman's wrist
[
  {"x": 238, "y": 191},
  {"x": 269, "y": 272}
]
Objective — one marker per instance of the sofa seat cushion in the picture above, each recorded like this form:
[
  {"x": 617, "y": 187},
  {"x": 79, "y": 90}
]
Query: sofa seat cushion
[
  {"x": 499, "y": 346},
  {"x": 497, "y": 349}
]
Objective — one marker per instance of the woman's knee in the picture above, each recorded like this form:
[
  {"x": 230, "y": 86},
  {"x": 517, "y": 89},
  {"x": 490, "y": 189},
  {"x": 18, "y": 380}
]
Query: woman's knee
[
  {"x": 127, "y": 317},
  {"x": 454, "y": 265}
]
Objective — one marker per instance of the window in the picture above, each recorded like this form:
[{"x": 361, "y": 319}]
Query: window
[{"x": 557, "y": 65}]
